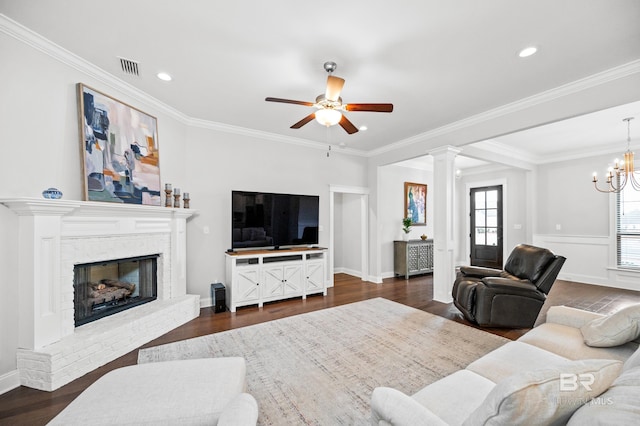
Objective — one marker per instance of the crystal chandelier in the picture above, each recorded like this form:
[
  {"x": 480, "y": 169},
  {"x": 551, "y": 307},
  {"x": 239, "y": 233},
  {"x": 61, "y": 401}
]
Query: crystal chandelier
[{"x": 623, "y": 173}]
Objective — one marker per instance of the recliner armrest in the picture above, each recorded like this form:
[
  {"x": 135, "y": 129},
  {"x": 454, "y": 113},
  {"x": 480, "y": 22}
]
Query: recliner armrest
[
  {"x": 479, "y": 271},
  {"x": 391, "y": 407},
  {"x": 497, "y": 285}
]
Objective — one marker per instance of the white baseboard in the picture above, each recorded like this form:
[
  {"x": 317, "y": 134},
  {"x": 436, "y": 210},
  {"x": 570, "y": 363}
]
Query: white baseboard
[
  {"x": 205, "y": 303},
  {"x": 9, "y": 381},
  {"x": 348, "y": 271}
]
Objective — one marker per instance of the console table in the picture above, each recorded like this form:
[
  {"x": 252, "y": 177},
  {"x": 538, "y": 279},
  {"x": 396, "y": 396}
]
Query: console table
[
  {"x": 258, "y": 276},
  {"x": 412, "y": 257}
]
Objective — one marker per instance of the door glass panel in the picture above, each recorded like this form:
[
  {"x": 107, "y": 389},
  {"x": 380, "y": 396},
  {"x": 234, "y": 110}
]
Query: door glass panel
[
  {"x": 480, "y": 200},
  {"x": 492, "y": 218},
  {"x": 492, "y": 199},
  {"x": 480, "y": 239},
  {"x": 480, "y": 221}
]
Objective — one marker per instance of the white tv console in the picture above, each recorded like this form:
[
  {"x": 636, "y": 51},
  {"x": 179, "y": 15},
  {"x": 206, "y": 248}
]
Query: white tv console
[{"x": 258, "y": 276}]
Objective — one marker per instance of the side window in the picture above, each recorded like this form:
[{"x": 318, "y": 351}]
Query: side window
[{"x": 628, "y": 227}]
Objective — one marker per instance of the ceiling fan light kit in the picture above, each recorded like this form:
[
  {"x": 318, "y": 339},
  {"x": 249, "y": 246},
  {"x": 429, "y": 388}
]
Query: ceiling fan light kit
[
  {"x": 329, "y": 105},
  {"x": 328, "y": 117}
]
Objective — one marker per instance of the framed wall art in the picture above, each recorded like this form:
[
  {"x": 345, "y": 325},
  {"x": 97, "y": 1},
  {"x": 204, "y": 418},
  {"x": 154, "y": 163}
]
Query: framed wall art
[
  {"x": 415, "y": 202},
  {"x": 120, "y": 153}
]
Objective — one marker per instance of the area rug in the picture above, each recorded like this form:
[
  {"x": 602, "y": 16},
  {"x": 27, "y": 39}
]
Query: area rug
[{"x": 320, "y": 368}]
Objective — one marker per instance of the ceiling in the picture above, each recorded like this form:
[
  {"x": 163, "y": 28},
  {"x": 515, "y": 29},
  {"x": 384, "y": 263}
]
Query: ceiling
[{"x": 437, "y": 61}]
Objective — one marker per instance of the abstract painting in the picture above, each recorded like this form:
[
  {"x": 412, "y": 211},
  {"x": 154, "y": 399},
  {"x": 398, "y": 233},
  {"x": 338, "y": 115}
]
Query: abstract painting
[
  {"x": 120, "y": 155},
  {"x": 415, "y": 202}
]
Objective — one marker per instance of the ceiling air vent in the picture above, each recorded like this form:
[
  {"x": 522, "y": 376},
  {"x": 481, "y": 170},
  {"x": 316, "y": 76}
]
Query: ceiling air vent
[{"x": 129, "y": 67}]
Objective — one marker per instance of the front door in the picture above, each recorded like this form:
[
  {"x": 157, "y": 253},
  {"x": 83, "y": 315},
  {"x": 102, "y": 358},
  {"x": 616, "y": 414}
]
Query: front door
[{"x": 486, "y": 226}]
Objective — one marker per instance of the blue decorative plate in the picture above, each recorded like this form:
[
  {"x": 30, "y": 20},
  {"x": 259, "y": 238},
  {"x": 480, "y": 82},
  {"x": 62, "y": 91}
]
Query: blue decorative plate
[{"x": 52, "y": 193}]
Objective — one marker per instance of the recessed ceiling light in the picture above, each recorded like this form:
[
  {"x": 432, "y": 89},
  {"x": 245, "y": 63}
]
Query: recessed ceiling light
[
  {"x": 164, "y": 76},
  {"x": 363, "y": 128},
  {"x": 527, "y": 51}
]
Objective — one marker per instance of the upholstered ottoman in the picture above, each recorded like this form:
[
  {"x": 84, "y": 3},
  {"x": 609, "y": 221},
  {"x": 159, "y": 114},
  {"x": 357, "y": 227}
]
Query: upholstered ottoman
[{"x": 186, "y": 392}]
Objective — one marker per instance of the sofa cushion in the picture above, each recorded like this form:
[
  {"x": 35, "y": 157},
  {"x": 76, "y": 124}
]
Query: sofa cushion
[
  {"x": 615, "y": 329},
  {"x": 619, "y": 405},
  {"x": 542, "y": 397},
  {"x": 568, "y": 342},
  {"x": 444, "y": 396},
  {"x": 512, "y": 358}
]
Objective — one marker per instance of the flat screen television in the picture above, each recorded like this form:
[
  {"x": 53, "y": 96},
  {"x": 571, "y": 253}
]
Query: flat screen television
[{"x": 270, "y": 220}]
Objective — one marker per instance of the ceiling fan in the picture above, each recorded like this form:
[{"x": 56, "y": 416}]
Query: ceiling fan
[{"x": 329, "y": 105}]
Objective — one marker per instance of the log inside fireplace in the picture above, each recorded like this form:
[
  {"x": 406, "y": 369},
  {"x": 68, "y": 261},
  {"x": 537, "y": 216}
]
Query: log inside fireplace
[{"x": 108, "y": 287}]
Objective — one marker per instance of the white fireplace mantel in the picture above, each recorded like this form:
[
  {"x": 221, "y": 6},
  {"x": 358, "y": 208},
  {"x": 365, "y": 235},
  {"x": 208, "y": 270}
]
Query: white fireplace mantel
[{"x": 53, "y": 235}]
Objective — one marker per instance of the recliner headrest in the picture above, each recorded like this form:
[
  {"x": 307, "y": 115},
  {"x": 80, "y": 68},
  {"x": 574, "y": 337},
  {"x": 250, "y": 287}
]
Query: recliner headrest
[{"x": 528, "y": 262}]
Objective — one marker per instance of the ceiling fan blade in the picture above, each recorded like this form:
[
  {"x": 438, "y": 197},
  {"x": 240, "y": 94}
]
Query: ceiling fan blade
[
  {"x": 289, "y": 101},
  {"x": 334, "y": 87},
  {"x": 347, "y": 125},
  {"x": 304, "y": 121},
  {"x": 369, "y": 107}
]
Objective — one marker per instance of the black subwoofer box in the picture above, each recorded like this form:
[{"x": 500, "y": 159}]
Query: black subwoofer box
[{"x": 218, "y": 297}]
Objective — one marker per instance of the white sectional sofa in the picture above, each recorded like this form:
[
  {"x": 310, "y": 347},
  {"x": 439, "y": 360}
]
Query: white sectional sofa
[
  {"x": 206, "y": 391},
  {"x": 548, "y": 376}
]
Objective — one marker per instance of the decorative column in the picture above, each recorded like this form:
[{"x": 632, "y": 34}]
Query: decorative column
[
  {"x": 443, "y": 222},
  {"x": 39, "y": 271}
]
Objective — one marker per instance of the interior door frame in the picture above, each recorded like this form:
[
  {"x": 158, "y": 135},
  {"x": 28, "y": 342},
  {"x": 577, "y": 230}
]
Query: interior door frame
[
  {"x": 364, "y": 228},
  {"x": 467, "y": 222}
]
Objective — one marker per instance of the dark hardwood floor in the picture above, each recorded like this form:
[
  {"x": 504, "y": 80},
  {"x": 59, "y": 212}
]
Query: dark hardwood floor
[{"x": 25, "y": 406}]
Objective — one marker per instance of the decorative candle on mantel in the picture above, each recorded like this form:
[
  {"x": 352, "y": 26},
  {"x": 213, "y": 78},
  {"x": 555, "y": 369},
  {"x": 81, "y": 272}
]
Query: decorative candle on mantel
[
  {"x": 167, "y": 191},
  {"x": 185, "y": 200},
  {"x": 176, "y": 198}
]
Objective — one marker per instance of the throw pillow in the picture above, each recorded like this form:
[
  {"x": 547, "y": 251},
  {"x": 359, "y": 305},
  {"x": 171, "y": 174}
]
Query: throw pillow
[
  {"x": 613, "y": 330},
  {"x": 546, "y": 396},
  {"x": 619, "y": 405},
  {"x": 633, "y": 361}
]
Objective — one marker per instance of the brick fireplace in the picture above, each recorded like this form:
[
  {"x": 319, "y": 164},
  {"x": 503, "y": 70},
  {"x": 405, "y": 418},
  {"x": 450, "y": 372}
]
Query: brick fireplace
[{"x": 56, "y": 235}]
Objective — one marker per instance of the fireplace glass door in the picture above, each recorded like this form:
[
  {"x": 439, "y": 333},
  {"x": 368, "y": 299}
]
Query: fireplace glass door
[{"x": 105, "y": 288}]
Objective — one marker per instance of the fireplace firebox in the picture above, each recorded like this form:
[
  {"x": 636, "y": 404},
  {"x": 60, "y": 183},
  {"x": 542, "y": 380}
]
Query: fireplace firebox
[{"x": 105, "y": 288}]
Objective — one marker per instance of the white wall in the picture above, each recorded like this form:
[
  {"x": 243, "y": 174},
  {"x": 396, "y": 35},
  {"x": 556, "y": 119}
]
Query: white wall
[
  {"x": 570, "y": 200},
  {"x": 218, "y": 163},
  {"x": 391, "y": 195},
  {"x": 587, "y": 223},
  {"x": 347, "y": 244},
  {"x": 517, "y": 201},
  {"x": 41, "y": 149}
]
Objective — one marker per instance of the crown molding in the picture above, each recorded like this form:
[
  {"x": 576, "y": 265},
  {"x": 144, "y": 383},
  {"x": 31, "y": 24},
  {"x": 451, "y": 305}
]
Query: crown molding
[
  {"x": 46, "y": 46},
  {"x": 243, "y": 131},
  {"x": 38, "y": 42},
  {"x": 576, "y": 86}
]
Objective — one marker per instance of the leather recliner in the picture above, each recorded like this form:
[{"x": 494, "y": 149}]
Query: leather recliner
[{"x": 511, "y": 297}]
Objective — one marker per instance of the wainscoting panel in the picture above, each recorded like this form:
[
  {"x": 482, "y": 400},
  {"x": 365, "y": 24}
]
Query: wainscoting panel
[{"x": 590, "y": 260}]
